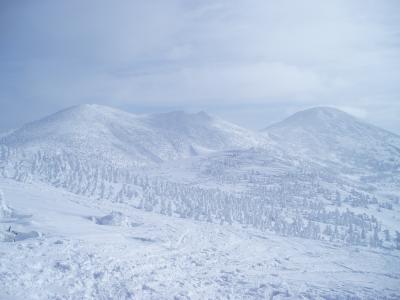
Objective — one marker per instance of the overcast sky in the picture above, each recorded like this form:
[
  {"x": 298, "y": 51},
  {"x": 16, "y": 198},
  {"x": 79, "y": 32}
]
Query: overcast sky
[{"x": 252, "y": 62}]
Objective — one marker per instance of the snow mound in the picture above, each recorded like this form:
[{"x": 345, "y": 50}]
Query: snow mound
[
  {"x": 15, "y": 236},
  {"x": 115, "y": 219}
]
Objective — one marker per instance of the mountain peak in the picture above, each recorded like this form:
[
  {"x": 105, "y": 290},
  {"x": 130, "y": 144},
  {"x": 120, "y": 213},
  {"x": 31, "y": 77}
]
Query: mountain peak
[
  {"x": 320, "y": 113},
  {"x": 326, "y": 132},
  {"x": 318, "y": 118},
  {"x": 116, "y": 136},
  {"x": 89, "y": 108},
  {"x": 323, "y": 109}
]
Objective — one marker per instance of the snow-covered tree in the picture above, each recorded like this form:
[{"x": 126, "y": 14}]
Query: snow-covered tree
[
  {"x": 397, "y": 240},
  {"x": 5, "y": 211}
]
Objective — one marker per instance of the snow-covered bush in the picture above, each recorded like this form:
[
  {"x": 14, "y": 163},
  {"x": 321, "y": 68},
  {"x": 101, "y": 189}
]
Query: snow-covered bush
[{"x": 114, "y": 219}]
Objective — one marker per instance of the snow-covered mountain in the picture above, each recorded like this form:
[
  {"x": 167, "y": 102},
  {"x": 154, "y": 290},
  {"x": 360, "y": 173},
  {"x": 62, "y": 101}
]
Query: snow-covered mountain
[
  {"x": 102, "y": 133},
  {"x": 216, "y": 211},
  {"x": 333, "y": 136}
]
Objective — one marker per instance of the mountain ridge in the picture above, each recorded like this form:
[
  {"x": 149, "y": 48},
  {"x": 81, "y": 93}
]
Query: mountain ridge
[{"x": 118, "y": 136}]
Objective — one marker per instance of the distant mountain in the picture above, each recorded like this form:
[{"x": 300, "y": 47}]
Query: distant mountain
[
  {"x": 320, "y": 174},
  {"x": 330, "y": 135},
  {"x": 103, "y": 133}
]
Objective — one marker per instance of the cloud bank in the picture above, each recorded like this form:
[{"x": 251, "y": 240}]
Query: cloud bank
[{"x": 252, "y": 62}]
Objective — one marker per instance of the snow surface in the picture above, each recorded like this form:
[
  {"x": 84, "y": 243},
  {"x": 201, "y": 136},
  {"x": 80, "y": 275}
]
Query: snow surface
[
  {"x": 103, "y": 204},
  {"x": 167, "y": 258}
]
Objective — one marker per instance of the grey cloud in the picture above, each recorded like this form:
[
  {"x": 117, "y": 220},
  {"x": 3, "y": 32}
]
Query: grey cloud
[{"x": 227, "y": 57}]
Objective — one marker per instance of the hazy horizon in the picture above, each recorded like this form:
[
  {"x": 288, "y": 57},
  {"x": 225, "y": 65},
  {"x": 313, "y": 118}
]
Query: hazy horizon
[{"x": 146, "y": 112}]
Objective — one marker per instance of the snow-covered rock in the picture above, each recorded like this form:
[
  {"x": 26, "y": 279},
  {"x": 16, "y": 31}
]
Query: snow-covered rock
[
  {"x": 16, "y": 236},
  {"x": 114, "y": 219}
]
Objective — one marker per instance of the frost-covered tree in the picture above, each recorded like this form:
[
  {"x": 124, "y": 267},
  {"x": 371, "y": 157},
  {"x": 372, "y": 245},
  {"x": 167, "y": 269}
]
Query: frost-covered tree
[
  {"x": 374, "y": 240},
  {"x": 397, "y": 240},
  {"x": 387, "y": 235},
  {"x": 338, "y": 199},
  {"x": 297, "y": 203},
  {"x": 5, "y": 211}
]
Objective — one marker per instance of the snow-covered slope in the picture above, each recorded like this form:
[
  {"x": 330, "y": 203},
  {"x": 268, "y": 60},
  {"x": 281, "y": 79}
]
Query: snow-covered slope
[
  {"x": 105, "y": 134},
  {"x": 216, "y": 212},
  {"x": 61, "y": 252},
  {"x": 331, "y": 135}
]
